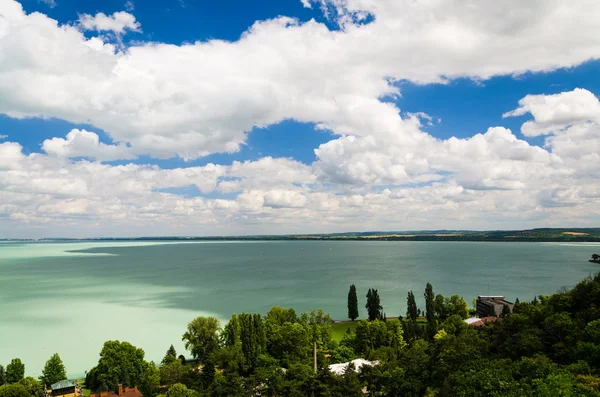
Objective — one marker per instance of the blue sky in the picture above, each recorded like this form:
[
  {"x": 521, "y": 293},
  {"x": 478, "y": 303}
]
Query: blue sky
[{"x": 327, "y": 143}]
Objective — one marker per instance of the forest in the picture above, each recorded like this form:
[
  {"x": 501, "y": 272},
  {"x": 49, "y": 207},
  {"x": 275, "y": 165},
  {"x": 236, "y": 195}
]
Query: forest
[{"x": 547, "y": 347}]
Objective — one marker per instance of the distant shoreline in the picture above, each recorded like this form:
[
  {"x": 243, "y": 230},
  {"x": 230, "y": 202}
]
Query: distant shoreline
[{"x": 563, "y": 235}]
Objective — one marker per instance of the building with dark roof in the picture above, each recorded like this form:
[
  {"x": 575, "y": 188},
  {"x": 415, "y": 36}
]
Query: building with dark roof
[
  {"x": 64, "y": 388},
  {"x": 120, "y": 392},
  {"x": 492, "y": 306}
]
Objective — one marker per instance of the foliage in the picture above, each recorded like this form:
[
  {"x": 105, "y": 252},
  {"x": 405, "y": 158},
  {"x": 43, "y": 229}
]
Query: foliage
[
  {"x": 201, "y": 337},
  {"x": 150, "y": 380},
  {"x": 119, "y": 363},
  {"x": 2, "y": 375},
  {"x": 352, "y": 303},
  {"x": 173, "y": 372},
  {"x": 14, "y": 390},
  {"x": 180, "y": 390},
  {"x": 547, "y": 347},
  {"x": 54, "y": 371},
  {"x": 15, "y": 371},
  {"x": 373, "y": 305},
  {"x": 170, "y": 356},
  {"x": 34, "y": 389},
  {"x": 430, "y": 310},
  {"x": 253, "y": 338}
]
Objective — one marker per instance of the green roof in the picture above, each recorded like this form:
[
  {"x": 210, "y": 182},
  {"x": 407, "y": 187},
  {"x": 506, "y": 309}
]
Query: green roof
[{"x": 62, "y": 384}]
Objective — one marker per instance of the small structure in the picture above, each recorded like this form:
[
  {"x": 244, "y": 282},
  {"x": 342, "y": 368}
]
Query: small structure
[
  {"x": 66, "y": 388},
  {"x": 121, "y": 391},
  {"x": 477, "y": 322},
  {"x": 492, "y": 306},
  {"x": 340, "y": 369}
]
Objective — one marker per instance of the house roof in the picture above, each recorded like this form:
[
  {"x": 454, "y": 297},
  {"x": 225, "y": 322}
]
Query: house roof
[
  {"x": 62, "y": 384},
  {"x": 125, "y": 392}
]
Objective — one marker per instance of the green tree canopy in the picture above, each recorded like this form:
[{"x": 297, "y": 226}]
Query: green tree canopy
[
  {"x": 119, "y": 363},
  {"x": 15, "y": 371},
  {"x": 352, "y": 303},
  {"x": 14, "y": 390},
  {"x": 34, "y": 388},
  {"x": 373, "y": 305},
  {"x": 173, "y": 372},
  {"x": 2, "y": 375},
  {"x": 54, "y": 371},
  {"x": 180, "y": 390},
  {"x": 253, "y": 337},
  {"x": 150, "y": 380},
  {"x": 202, "y": 337},
  {"x": 170, "y": 356},
  {"x": 430, "y": 310}
]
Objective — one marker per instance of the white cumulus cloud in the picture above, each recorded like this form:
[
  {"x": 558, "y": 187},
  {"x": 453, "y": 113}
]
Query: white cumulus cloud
[
  {"x": 118, "y": 22},
  {"x": 82, "y": 143}
]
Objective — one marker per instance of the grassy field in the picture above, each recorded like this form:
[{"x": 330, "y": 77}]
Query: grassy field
[{"x": 339, "y": 329}]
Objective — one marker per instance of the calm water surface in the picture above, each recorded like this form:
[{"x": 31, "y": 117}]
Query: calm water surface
[{"x": 71, "y": 297}]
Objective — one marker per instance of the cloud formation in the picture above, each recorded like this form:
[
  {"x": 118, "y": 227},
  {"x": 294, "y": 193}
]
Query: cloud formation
[
  {"x": 118, "y": 22},
  {"x": 279, "y": 69},
  {"x": 82, "y": 143},
  {"x": 381, "y": 170}
]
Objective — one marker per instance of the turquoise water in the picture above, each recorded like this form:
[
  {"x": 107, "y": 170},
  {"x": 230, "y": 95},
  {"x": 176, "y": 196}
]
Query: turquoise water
[{"x": 71, "y": 297}]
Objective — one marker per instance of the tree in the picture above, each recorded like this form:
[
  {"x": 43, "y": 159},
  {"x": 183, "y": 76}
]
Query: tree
[
  {"x": 34, "y": 389},
  {"x": 253, "y": 337},
  {"x": 352, "y": 303},
  {"x": 173, "y": 372},
  {"x": 54, "y": 371},
  {"x": 170, "y": 356},
  {"x": 119, "y": 363},
  {"x": 14, "y": 390},
  {"x": 412, "y": 312},
  {"x": 15, "y": 371},
  {"x": 150, "y": 380},
  {"x": 373, "y": 305},
  {"x": 201, "y": 338},
  {"x": 2, "y": 375},
  {"x": 231, "y": 332},
  {"x": 595, "y": 257},
  {"x": 180, "y": 390},
  {"x": 505, "y": 310},
  {"x": 430, "y": 310}
]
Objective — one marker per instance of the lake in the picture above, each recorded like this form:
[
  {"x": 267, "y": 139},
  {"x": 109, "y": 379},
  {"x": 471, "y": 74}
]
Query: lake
[{"x": 70, "y": 297}]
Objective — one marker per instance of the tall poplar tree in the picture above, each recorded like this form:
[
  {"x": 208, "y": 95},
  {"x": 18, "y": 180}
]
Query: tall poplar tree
[
  {"x": 253, "y": 337},
  {"x": 352, "y": 303},
  {"x": 412, "y": 312},
  {"x": 411, "y": 307},
  {"x": 54, "y": 371},
  {"x": 373, "y": 305},
  {"x": 430, "y": 310}
]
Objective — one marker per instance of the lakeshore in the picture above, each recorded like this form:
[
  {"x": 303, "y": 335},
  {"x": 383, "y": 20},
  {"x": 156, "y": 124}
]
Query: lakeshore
[{"x": 71, "y": 287}]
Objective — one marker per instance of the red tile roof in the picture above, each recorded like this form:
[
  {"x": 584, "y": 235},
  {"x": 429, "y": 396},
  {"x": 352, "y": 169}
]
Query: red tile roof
[{"x": 121, "y": 392}]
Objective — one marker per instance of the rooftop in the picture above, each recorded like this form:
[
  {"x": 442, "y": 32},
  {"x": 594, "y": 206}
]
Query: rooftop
[{"x": 63, "y": 384}]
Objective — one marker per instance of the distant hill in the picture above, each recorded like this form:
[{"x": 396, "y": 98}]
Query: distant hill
[{"x": 531, "y": 235}]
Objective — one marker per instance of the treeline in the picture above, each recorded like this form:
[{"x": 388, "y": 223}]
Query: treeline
[
  {"x": 13, "y": 382},
  {"x": 547, "y": 347}
]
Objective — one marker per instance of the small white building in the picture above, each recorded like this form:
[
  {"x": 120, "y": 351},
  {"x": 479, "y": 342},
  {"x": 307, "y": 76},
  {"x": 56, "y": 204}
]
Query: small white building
[{"x": 340, "y": 369}]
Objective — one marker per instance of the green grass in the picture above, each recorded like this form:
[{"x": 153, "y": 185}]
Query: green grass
[
  {"x": 84, "y": 389},
  {"x": 339, "y": 329}
]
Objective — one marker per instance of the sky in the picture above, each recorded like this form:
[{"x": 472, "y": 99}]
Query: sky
[{"x": 181, "y": 117}]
